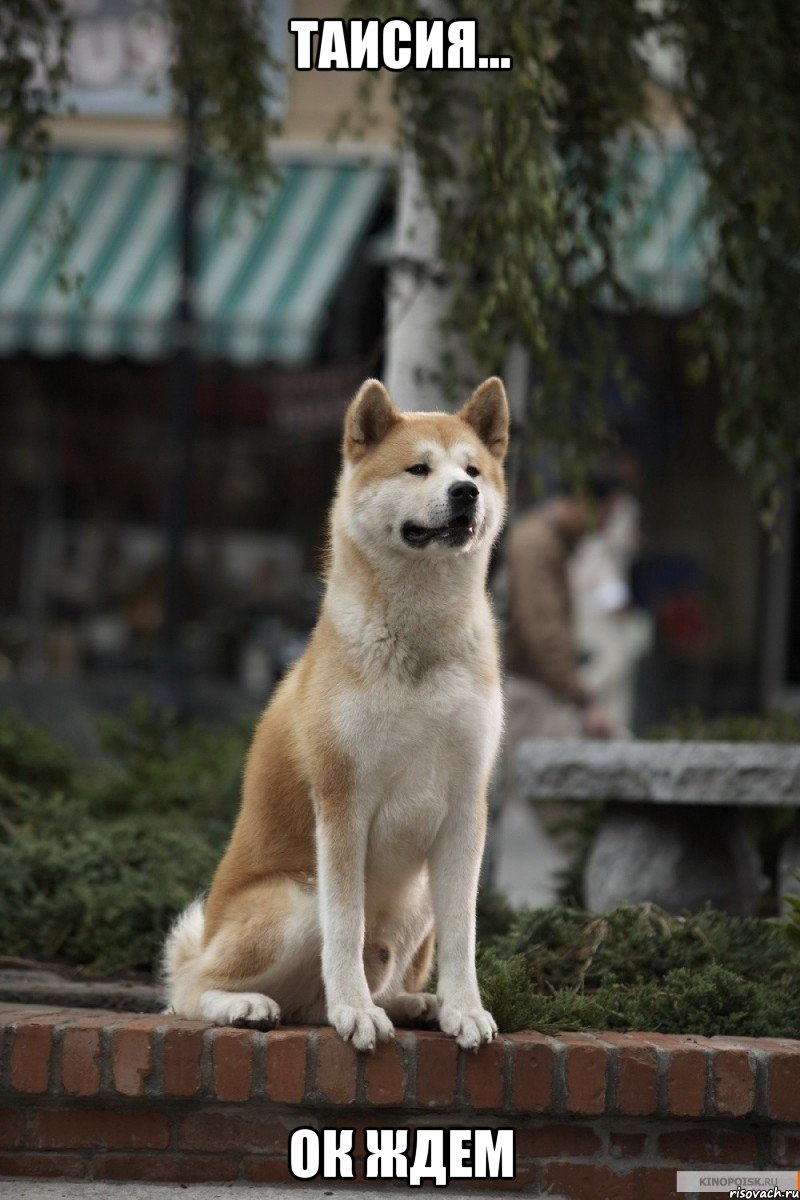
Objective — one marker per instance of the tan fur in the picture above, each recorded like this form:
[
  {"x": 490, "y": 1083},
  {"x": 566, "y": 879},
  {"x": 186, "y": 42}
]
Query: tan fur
[
  {"x": 417, "y": 974},
  {"x": 301, "y": 782}
]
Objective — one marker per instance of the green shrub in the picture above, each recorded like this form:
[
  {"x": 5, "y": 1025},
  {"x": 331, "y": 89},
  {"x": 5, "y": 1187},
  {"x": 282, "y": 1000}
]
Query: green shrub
[
  {"x": 160, "y": 765},
  {"x": 30, "y": 756},
  {"x": 567, "y": 947},
  {"x": 100, "y": 894},
  {"x": 637, "y": 968},
  {"x": 95, "y": 863},
  {"x": 692, "y": 725}
]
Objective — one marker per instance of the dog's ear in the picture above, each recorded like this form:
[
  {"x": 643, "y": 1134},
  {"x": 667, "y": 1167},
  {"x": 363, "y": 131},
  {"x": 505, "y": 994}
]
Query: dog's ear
[
  {"x": 369, "y": 418},
  {"x": 487, "y": 412}
]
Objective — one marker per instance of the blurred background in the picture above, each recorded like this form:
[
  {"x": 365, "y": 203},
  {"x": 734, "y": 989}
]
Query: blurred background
[
  {"x": 204, "y": 251},
  {"x": 175, "y": 360}
]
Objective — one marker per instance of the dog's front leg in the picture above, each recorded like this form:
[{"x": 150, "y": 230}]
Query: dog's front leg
[
  {"x": 341, "y": 856},
  {"x": 454, "y": 866}
]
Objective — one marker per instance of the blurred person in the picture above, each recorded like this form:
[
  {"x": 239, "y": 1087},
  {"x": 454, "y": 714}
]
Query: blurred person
[
  {"x": 611, "y": 634},
  {"x": 547, "y": 695}
]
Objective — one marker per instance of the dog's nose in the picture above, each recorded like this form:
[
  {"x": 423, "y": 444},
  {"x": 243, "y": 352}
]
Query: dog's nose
[{"x": 462, "y": 494}]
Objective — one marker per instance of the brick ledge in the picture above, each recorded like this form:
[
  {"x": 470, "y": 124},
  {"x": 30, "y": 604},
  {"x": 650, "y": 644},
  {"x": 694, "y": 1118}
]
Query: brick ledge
[{"x": 121, "y": 1095}]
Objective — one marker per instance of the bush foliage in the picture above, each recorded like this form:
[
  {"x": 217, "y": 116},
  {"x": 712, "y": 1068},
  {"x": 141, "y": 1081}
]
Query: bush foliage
[
  {"x": 637, "y": 968},
  {"x": 691, "y": 725},
  {"x": 96, "y": 859}
]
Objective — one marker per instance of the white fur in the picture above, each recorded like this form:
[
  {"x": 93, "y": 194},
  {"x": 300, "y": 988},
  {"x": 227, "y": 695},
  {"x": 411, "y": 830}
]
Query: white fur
[
  {"x": 239, "y": 1008},
  {"x": 184, "y": 943}
]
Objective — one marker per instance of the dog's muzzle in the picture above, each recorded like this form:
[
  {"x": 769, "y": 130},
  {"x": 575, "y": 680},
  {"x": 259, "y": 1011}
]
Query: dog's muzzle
[{"x": 462, "y": 498}]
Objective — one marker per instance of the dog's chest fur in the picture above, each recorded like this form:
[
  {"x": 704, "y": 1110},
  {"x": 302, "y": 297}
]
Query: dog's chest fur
[{"x": 416, "y": 739}]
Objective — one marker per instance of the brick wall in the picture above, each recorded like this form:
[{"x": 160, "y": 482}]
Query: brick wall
[{"x": 102, "y": 1095}]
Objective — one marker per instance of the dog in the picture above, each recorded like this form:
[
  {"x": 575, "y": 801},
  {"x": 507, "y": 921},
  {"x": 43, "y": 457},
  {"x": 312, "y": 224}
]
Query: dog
[{"x": 363, "y": 812}]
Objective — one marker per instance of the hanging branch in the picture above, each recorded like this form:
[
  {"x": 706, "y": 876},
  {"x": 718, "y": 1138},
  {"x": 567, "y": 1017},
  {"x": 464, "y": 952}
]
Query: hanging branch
[
  {"x": 34, "y": 41},
  {"x": 526, "y": 195},
  {"x": 742, "y": 81},
  {"x": 518, "y": 166}
]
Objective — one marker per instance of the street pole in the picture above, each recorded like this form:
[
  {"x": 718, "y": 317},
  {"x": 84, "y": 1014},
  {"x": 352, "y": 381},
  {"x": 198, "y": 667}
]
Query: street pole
[
  {"x": 516, "y": 374},
  {"x": 182, "y": 381}
]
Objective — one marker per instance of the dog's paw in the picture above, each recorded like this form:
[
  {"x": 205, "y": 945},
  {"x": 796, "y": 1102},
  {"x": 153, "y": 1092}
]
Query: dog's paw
[
  {"x": 469, "y": 1026},
  {"x": 249, "y": 1009},
  {"x": 413, "y": 1006},
  {"x": 361, "y": 1026}
]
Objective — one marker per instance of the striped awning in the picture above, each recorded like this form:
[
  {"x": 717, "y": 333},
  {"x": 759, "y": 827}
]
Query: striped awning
[
  {"x": 663, "y": 245},
  {"x": 88, "y": 257}
]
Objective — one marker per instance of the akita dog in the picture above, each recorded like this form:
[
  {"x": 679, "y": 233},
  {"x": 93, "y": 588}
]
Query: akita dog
[{"x": 364, "y": 799}]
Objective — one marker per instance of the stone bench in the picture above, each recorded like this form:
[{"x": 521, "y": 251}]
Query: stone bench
[{"x": 672, "y": 832}]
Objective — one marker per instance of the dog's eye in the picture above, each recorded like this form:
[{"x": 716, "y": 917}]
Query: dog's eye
[
  {"x": 472, "y": 471},
  {"x": 419, "y": 469}
]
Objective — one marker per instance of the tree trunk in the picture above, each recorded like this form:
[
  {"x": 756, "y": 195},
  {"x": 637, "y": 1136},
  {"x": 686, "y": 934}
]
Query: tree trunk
[{"x": 417, "y": 300}]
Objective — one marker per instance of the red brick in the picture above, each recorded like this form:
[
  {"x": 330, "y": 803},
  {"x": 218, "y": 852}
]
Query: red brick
[
  {"x": 784, "y": 1085},
  {"x": 232, "y": 1063},
  {"x": 785, "y": 1148},
  {"x": 637, "y": 1074},
  {"x": 625, "y": 1145},
  {"x": 91, "y": 1019},
  {"x": 385, "y": 1073},
  {"x": 582, "y": 1181},
  {"x": 80, "y": 1061},
  {"x": 437, "y": 1060},
  {"x": 166, "y": 1168},
  {"x": 268, "y": 1170},
  {"x": 12, "y": 1128},
  {"x": 686, "y": 1074},
  {"x": 337, "y": 1065},
  {"x": 286, "y": 1065},
  {"x": 585, "y": 1075},
  {"x": 524, "y": 1176},
  {"x": 79, "y": 1017},
  {"x": 553, "y": 1141},
  {"x": 132, "y": 1058},
  {"x": 31, "y": 1054},
  {"x": 709, "y": 1147},
  {"x": 10, "y": 1014},
  {"x": 531, "y": 1073},
  {"x": 42, "y": 1166},
  {"x": 658, "y": 1183},
  {"x": 686, "y": 1082},
  {"x": 77, "y": 1129},
  {"x": 484, "y": 1072},
  {"x": 218, "y": 1131},
  {"x": 734, "y": 1083},
  {"x": 772, "y": 1045},
  {"x": 182, "y": 1050}
]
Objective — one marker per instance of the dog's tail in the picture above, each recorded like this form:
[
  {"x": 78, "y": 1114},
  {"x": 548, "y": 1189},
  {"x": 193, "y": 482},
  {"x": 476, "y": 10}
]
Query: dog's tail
[{"x": 182, "y": 951}]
